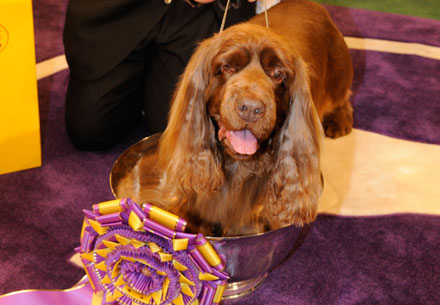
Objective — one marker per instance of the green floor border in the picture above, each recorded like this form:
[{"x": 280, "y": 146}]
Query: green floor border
[{"x": 423, "y": 8}]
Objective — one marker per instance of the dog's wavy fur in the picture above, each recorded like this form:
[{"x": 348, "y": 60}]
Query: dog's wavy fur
[{"x": 301, "y": 69}]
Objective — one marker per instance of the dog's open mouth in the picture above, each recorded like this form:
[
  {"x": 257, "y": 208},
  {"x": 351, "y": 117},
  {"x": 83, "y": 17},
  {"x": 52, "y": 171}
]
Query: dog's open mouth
[{"x": 241, "y": 141}]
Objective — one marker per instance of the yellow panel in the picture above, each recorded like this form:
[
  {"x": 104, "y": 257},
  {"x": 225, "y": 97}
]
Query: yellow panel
[{"x": 19, "y": 117}]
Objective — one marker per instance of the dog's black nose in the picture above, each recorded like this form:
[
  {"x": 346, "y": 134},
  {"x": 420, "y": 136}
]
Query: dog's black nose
[{"x": 250, "y": 110}]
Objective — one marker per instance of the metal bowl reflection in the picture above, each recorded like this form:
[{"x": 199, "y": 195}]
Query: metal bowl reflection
[{"x": 249, "y": 258}]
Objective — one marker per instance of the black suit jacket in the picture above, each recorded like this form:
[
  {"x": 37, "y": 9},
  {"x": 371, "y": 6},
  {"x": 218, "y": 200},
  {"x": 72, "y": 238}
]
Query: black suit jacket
[{"x": 98, "y": 34}]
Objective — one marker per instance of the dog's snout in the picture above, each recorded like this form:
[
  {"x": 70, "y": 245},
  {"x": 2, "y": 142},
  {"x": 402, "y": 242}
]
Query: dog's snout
[{"x": 250, "y": 110}]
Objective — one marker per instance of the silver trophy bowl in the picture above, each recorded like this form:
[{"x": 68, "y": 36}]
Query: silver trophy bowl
[{"x": 249, "y": 258}]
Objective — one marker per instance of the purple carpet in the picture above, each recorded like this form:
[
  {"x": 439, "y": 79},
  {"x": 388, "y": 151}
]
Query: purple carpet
[{"x": 391, "y": 259}]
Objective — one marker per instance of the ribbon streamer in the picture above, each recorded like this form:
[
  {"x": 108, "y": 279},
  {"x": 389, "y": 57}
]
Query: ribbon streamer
[{"x": 80, "y": 294}]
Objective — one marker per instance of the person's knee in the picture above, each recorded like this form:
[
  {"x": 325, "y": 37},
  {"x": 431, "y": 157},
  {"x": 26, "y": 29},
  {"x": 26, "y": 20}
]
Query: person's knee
[
  {"x": 97, "y": 130},
  {"x": 89, "y": 132}
]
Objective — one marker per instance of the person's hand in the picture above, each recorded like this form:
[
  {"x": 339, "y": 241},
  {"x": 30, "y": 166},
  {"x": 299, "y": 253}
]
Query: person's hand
[
  {"x": 209, "y": 1},
  {"x": 204, "y": 1}
]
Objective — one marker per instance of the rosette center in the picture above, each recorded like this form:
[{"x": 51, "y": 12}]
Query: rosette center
[{"x": 140, "y": 277}]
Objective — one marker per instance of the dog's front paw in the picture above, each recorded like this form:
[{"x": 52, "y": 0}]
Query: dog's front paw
[{"x": 340, "y": 122}]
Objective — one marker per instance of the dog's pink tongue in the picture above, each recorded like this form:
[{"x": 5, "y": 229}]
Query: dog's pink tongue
[{"x": 243, "y": 141}]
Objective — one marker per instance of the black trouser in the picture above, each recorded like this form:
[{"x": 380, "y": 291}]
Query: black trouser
[{"x": 100, "y": 112}]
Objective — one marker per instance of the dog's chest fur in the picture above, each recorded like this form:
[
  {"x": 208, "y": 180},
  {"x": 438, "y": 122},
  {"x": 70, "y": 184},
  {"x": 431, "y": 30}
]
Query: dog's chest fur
[{"x": 238, "y": 203}]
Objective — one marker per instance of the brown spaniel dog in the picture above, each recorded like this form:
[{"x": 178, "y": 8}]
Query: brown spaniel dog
[{"x": 241, "y": 150}]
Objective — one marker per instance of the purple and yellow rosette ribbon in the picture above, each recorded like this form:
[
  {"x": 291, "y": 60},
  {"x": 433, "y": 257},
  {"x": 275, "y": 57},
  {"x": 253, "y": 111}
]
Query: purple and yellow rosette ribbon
[{"x": 141, "y": 255}]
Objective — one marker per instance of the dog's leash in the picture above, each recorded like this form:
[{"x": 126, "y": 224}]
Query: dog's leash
[{"x": 222, "y": 26}]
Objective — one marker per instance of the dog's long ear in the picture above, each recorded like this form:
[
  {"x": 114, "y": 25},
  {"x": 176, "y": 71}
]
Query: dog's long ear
[
  {"x": 188, "y": 150},
  {"x": 295, "y": 185}
]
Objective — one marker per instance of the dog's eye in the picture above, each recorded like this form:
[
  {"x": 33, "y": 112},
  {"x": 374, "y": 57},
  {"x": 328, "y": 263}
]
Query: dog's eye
[
  {"x": 227, "y": 69},
  {"x": 278, "y": 76}
]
